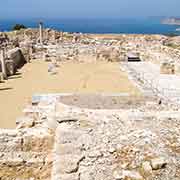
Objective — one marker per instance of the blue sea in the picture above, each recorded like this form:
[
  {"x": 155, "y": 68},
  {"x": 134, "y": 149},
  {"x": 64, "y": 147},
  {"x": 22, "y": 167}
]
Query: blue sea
[{"x": 128, "y": 26}]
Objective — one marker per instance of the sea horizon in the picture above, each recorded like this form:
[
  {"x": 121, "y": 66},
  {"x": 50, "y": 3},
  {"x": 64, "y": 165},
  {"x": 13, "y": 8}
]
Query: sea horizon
[{"x": 150, "y": 25}]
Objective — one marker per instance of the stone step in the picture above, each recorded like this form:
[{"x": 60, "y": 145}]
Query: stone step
[
  {"x": 73, "y": 176},
  {"x": 66, "y": 164}
]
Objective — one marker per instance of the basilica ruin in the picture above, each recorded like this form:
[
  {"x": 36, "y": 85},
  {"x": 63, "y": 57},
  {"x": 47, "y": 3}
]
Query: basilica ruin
[{"x": 95, "y": 136}]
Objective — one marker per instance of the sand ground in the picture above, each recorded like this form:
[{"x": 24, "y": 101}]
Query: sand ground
[{"x": 71, "y": 77}]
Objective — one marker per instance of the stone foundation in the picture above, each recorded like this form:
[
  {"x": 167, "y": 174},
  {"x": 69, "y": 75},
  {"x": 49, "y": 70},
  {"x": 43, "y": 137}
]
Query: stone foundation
[
  {"x": 95, "y": 138},
  {"x": 68, "y": 142},
  {"x": 25, "y": 154}
]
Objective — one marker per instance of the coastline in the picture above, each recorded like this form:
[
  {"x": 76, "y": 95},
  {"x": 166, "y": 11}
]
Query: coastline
[{"x": 97, "y": 26}]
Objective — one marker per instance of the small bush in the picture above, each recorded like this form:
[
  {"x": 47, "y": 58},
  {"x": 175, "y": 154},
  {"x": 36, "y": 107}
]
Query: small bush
[{"x": 17, "y": 27}]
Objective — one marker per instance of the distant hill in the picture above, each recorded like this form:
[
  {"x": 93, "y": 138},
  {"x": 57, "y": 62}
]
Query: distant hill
[{"x": 171, "y": 21}]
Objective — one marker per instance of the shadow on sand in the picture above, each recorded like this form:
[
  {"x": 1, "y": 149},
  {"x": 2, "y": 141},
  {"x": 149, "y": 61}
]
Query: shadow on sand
[
  {"x": 17, "y": 73},
  {"x": 15, "y": 77},
  {"x": 5, "y": 89}
]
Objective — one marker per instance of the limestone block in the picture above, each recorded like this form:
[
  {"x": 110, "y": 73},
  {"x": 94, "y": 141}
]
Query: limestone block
[
  {"x": 51, "y": 123},
  {"x": 69, "y": 148},
  {"x": 9, "y": 144},
  {"x": 146, "y": 168},
  {"x": 95, "y": 154},
  {"x": 86, "y": 175},
  {"x": 17, "y": 57},
  {"x": 73, "y": 176},
  {"x": 67, "y": 163},
  {"x": 158, "y": 163},
  {"x": 126, "y": 174},
  {"x": 67, "y": 135},
  {"x": 25, "y": 122}
]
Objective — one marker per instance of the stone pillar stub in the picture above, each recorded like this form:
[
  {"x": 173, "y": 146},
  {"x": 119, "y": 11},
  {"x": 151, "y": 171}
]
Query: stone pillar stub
[
  {"x": 3, "y": 65},
  {"x": 41, "y": 32}
]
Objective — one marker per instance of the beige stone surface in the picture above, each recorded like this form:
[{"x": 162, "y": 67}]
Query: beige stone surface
[{"x": 71, "y": 77}]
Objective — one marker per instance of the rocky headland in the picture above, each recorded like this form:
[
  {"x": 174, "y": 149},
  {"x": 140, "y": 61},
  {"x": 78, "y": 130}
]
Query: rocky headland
[{"x": 171, "y": 21}]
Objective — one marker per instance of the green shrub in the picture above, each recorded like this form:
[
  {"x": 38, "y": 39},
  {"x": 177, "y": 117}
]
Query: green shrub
[{"x": 17, "y": 27}]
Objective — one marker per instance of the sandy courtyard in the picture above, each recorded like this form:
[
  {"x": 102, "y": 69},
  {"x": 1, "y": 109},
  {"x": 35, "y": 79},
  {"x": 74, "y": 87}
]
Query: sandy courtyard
[{"x": 81, "y": 78}]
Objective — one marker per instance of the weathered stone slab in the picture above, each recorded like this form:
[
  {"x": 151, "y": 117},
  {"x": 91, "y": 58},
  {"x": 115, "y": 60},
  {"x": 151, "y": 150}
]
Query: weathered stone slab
[{"x": 67, "y": 163}]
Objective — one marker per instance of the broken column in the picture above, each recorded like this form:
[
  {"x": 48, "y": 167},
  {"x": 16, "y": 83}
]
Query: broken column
[
  {"x": 31, "y": 51},
  {"x": 3, "y": 65},
  {"x": 61, "y": 36},
  {"x": 54, "y": 36},
  {"x": 41, "y": 33}
]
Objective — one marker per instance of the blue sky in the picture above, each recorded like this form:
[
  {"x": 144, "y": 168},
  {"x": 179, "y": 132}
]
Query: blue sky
[{"x": 88, "y": 8}]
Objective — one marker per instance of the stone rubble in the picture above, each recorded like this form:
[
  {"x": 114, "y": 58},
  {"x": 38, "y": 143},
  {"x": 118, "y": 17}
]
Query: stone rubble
[
  {"x": 158, "y": 163},
  {"x": 71, "y": 142}
]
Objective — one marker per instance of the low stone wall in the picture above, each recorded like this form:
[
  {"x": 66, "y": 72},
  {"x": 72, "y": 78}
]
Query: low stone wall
[
  {"x": 26, "y": 154},
  {"x": 71, "y": 143}
]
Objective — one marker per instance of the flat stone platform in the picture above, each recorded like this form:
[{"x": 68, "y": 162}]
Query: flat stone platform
[
  {"x": 100, "y": 77},
  {"x": 106, "y": 101}
]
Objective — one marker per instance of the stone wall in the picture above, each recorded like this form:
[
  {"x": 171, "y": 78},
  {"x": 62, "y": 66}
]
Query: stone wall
[
  {"x": 60, "y": 142},
  {"x": 26, "y": 154},
  {"x": 113, "y": 145}
]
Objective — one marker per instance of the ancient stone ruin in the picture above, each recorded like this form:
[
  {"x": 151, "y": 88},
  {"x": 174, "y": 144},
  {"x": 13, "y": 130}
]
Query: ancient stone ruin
[
  {"x": 95, "y": 136},
  {"x": 59, "y": 141}
]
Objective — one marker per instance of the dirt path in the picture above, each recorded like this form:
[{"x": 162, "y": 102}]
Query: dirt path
[{"x": 82, "y": 78}]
